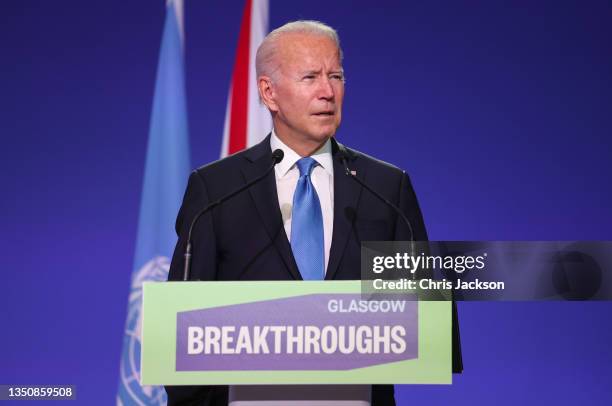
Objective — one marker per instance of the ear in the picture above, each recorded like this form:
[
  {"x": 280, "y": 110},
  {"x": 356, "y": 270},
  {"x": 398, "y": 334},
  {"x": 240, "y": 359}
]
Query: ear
[{"x": 267, "y": 93}]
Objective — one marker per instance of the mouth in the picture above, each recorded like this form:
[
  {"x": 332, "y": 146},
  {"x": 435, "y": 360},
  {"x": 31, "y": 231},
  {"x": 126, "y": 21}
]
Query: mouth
[{"x": 324, "y": 114}]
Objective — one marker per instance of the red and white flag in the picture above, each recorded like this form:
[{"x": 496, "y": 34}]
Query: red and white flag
[{"x": 247, "y": 121}]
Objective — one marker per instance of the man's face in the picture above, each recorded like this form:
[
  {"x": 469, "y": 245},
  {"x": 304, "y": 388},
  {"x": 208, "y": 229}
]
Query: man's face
[{"x": 308, "y": 88}]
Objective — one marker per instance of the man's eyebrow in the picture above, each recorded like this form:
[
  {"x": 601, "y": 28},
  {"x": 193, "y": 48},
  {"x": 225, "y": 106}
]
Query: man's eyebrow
[
  {"x": 310, "y": 72},
  {"x": 318, "y": 72}
]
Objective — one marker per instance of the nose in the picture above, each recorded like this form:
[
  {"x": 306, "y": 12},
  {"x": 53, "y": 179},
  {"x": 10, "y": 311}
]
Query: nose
[{"x": 326, "y": 90}]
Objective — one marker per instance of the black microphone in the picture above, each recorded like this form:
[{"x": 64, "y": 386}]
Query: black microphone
[
  {"x": 342, "y": 155},
  {"x": 277, "y": 156}
]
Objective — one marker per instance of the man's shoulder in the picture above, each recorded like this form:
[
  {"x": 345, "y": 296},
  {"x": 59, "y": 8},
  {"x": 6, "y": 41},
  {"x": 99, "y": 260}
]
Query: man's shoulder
[
  {"x": 234, "y": 164},
  {"x": 373, "y": 164},
  {"x": 231, "y": 164}
]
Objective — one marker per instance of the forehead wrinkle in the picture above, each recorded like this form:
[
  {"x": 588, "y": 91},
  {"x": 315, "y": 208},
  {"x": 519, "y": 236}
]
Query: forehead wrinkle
[{"x": 299, "y": 53}]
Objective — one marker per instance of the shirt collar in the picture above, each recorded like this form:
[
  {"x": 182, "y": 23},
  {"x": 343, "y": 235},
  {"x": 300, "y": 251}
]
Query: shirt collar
[{"x": 323, "y": 156}]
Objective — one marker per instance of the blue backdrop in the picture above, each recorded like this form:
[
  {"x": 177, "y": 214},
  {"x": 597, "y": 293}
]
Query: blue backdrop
[{"x": 500, "y": 112}]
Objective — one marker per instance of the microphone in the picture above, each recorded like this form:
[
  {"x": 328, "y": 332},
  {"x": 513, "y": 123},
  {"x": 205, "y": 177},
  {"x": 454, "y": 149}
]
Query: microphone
[
  {"x": 342, "y": 155},
  {"x": 277, "y": 156}
]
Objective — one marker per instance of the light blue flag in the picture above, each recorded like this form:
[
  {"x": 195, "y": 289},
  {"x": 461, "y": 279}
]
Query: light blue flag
[{"x": 166, "y": 172}]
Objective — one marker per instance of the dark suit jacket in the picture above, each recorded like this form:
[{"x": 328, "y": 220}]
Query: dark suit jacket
[{"x": 244, "y": 238}]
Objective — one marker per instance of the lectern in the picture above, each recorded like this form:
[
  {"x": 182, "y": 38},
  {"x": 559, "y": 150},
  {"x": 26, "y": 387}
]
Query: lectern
[{"x": 248, "y": 334}]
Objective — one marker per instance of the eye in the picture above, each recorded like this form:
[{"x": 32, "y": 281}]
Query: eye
[
  {"x": 337, "y": 76},
  {"x": 308, "y": 77}
]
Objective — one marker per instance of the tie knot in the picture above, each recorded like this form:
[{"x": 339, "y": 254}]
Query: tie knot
[{"x": 305, "y": 165}]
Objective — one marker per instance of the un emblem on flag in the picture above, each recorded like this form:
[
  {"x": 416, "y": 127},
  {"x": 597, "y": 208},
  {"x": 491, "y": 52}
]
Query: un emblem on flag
[{"x": 130, "y": 390}]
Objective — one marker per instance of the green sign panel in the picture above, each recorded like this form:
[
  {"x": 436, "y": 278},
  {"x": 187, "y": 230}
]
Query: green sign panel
[{"x": 291, "y": 332}]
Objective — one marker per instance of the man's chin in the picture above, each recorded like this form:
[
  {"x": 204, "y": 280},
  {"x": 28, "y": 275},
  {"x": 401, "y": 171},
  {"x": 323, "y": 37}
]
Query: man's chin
[
  {"x": 322, "y": 134},
  {"x": 321, "y": 138}
]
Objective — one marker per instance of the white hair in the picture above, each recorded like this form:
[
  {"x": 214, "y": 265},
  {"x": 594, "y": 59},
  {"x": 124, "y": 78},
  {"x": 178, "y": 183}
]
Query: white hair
[{"x": 265, "y": 60}]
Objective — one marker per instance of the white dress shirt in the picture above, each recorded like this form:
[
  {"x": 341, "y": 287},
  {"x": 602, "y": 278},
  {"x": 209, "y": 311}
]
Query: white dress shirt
[{"x": 322, "y": 176}]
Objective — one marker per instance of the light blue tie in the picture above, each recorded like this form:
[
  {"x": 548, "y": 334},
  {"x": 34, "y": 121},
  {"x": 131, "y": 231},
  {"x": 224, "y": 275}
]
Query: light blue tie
[{"x": 307, "y": 225}]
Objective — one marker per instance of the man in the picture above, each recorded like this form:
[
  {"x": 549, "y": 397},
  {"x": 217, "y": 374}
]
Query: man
[{"x": 305, "y": 220}]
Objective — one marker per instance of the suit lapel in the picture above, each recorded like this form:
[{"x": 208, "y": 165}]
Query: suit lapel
[
  {"x": 346, "y": 198},
  {"x": 258, "y": 160}
]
